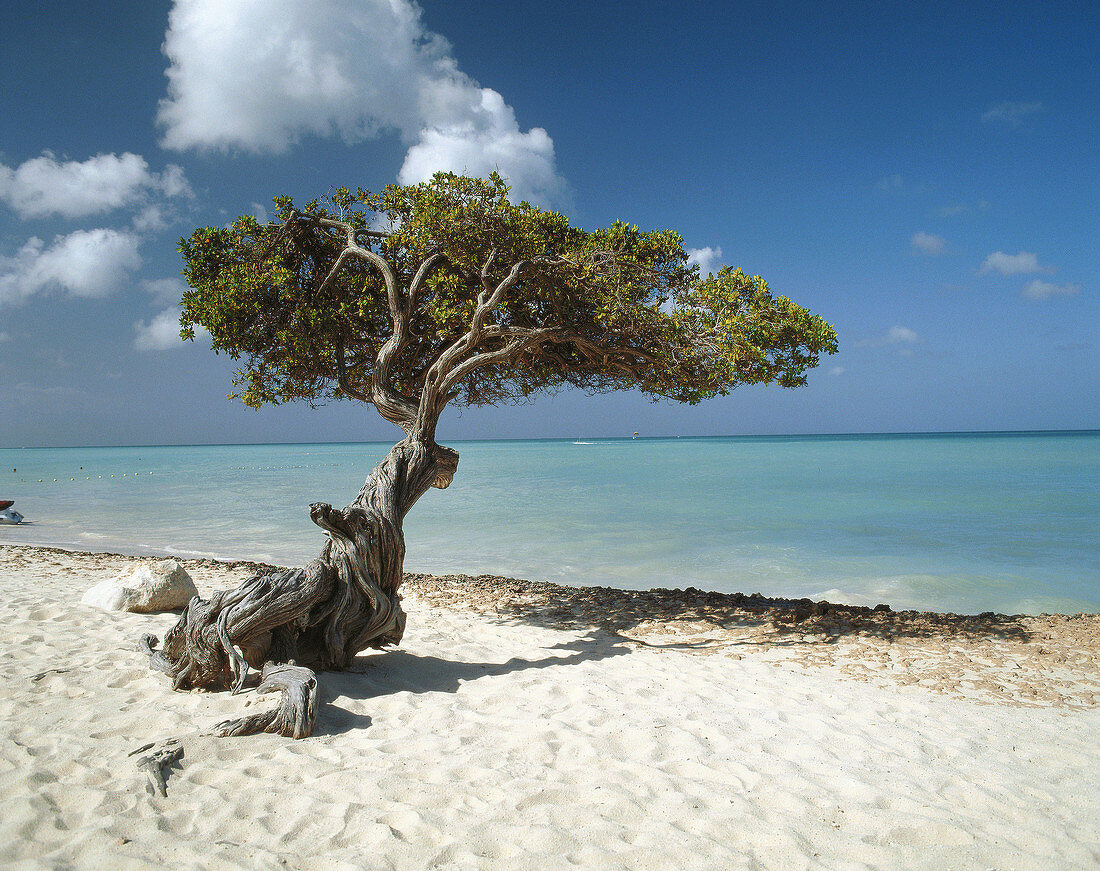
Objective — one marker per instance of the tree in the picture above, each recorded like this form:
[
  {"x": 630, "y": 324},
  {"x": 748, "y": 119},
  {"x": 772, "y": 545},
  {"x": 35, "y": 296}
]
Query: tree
[{"x": 413, "y": 299}]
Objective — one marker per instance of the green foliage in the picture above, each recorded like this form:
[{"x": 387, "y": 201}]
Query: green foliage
[{"x": 617, "y": 308}]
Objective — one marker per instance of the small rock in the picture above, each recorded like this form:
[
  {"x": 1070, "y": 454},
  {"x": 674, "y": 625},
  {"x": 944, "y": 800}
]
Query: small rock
[{"x": 149, "y": 587}]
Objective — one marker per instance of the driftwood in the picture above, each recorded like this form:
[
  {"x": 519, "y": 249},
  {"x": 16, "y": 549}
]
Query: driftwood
[
  {"x": 153, "y": 764},
  {"x": 37, "y": 677},
  {"x": 289, "y": 623}
]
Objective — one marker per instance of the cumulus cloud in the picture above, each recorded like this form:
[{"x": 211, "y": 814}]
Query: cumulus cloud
[
  {"x": 1038, "y": 289},
  {"x": 488, "y": 140},
  {"x": 1010, "y": 112},
  {"x": 86, "y": 263},
  {"x": 928, "y": 243},
  {"x": 262, "y": 80},
  {"x": 173, "y": 183},
  {"x": 162, "y": 333},
  {"x": 709, "y": 260},
  {"x": 46, "y": 186},
  {"x": 1012, "y": 264},
  {"x": 149, "y": 220},
  {"x": 899, "y": 336}
]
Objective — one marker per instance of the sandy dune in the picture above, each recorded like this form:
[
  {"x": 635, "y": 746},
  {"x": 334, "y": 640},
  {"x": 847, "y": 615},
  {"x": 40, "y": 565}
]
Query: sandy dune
[{"x": 522, "y": 728}]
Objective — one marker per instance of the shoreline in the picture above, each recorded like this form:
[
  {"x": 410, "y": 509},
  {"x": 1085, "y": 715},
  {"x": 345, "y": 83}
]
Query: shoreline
[
  {"x": 784, "y": 609},
  {"x": 1020, "y": 659}
]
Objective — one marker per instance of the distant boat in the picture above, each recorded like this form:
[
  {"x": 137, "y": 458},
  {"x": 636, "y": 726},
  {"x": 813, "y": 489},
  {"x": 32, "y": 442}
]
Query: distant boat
[
  {"x": 635, "y": 435},
  {"x": 8, "y": 514}
]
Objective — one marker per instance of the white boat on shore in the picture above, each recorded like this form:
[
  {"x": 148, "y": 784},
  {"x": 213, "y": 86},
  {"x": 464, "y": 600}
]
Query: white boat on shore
[{"x": 8, "y": 514}]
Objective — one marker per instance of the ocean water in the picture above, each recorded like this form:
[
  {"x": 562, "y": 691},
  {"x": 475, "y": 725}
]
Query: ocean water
[{"x": 1003, "y": 522}]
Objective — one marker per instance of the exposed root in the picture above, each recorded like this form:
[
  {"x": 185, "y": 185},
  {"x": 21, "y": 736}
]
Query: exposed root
[
  {"x": 296, "y": 713},
  {"x": 157, "y": 660}
]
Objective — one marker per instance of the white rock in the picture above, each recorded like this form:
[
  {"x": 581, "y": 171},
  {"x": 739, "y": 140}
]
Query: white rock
[{"x": 160, "y": 586}]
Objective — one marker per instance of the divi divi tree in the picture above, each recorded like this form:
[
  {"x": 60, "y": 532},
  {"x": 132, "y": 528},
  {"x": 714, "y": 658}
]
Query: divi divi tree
[{"x": 413, "y": 299}]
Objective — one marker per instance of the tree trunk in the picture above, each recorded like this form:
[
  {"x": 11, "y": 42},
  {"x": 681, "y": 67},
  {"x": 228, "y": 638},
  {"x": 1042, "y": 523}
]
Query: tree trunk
[{"x": 317, "y": 617}]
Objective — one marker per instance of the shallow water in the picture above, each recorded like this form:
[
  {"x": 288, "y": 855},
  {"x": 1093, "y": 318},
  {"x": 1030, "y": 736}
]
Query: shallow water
[{"x": 1004, "y": 522}]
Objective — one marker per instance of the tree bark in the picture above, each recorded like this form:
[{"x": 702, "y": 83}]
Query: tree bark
[{"x": 317, "y": 617}]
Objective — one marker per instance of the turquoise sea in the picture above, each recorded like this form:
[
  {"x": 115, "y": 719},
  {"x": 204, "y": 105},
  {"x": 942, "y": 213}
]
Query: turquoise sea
[{"x": 1003, "y": 522}]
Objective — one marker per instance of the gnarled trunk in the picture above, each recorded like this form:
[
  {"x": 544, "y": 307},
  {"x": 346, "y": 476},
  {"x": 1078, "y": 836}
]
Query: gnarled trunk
[{"x": 316, "y": 617}]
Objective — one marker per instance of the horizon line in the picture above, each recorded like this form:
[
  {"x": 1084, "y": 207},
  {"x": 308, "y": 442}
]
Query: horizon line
[{"x": 847, "y": 434}]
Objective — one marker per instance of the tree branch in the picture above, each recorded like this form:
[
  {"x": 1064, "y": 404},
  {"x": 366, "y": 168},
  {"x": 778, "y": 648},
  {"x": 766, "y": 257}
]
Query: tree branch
[
  {"x": 393, "y": 290},
  {"x": 450, "y": 368},
  {"x": 340, "y": 261},
  {"x": 422, "y": 274},
  {"x": 486, "y": 267},
  {"x": 486, "y": 358},
  {"x": 342, "y": 376},
  {"x": 391, "y": 404}
]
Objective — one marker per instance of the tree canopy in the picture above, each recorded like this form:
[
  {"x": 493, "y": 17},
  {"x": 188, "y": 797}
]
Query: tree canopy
[
  {"x": 411, "y": 299},
  {"x": 447, "y": 292}
]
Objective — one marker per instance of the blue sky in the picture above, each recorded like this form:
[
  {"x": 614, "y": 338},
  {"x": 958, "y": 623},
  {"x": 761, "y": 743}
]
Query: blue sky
[{"x": 925, "y": 176}]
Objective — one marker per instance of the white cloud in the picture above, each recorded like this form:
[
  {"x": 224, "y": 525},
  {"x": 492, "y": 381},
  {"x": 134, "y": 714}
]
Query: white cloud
[
  {"x": 1012, "y": 264},
  {"x": 928, "y": 243},
  {"x": 165, "y": 289},
  {"x": 39, "y": 400},
  {"x": 486, "y": 140},
  {"x": 262, "y": 81},
  {"x": 259, "y": 78},
  {"x": 1038, "y": 289},
  {"x": 45, "y": 186},
  {"x": 173, "y": 183},
  {"x": 1010, "y": 112},
  {"x": 896, "y": 335},
  {"x": 709, "y": 260},
  {"x": 837, "y": 370},
  {"x": 4, "y": 336},
  {"x": 162, "y": 333},
  {"x": 87, "y": 263},
  {"x": 149, "y": 219}
]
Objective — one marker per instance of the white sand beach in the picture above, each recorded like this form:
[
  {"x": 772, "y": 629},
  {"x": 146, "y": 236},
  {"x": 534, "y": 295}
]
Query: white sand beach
[{"x": 531, "y": 727}]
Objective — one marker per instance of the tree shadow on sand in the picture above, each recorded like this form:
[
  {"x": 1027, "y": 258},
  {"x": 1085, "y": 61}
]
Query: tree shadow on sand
[
  {"x": 395, "y": 671},
  {"x": 762, "y": 621}
]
